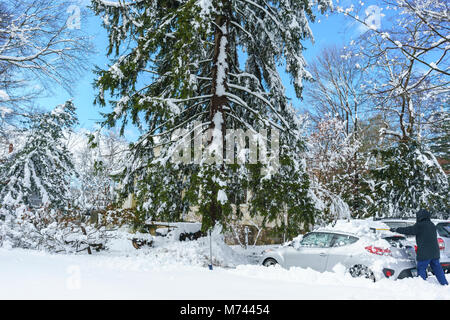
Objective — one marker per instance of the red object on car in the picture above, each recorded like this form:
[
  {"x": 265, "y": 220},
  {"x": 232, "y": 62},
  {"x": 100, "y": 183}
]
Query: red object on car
[
  {"x": 379, "y": 251},
  {"x": 441, "y": 244}
]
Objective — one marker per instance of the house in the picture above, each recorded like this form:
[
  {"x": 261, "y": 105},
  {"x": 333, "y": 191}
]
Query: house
[{"x": 445, "y": 164}]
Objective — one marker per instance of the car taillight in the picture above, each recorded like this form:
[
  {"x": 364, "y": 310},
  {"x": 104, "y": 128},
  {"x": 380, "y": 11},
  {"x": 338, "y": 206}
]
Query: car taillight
[
  {"x": 441, "y": 244},
  {"x": 388, "y": 272},
  {"x": 415, "y": 249},
  {"x": 379, "y": 251}
]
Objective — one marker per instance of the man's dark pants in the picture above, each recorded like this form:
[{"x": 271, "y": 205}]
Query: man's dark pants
[{"x": 435, "y": 266}]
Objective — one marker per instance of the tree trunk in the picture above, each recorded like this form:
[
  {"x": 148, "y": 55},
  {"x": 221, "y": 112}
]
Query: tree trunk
[{"x": 219, "y": 99}]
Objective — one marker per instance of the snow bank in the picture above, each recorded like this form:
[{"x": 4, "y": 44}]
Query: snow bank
[{"x": 169, "y": 251}]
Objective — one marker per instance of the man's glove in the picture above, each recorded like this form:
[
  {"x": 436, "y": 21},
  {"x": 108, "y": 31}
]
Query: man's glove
[{"x": 393, "y": 229}]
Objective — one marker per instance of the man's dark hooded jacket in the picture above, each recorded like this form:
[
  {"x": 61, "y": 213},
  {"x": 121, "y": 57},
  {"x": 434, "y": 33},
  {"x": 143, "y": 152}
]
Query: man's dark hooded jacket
[{"x": 426, "y": 236}]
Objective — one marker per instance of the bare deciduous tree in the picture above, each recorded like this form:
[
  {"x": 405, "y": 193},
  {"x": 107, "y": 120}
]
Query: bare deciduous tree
[
  {"x": 406, "y": 63},
  {"x": 337, "y": 89},
  {"x": 428, "y": 20},
  {"x": 39, "y": 50}
]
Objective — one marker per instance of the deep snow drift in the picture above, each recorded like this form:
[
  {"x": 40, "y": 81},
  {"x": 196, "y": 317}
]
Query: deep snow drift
[{"x": 178, "y": 270}]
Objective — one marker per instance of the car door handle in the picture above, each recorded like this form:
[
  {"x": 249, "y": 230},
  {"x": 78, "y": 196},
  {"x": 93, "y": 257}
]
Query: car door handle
[{"x": 322, "y": 254}]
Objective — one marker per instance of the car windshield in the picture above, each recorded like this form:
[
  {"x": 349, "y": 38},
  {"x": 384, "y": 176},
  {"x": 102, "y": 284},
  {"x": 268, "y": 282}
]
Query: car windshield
[
  {"x": 343, "y": 240},
  {"x": 443, "y": 229}
]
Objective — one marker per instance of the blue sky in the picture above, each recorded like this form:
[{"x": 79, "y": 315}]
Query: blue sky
[{"x": 328, "y": 30}]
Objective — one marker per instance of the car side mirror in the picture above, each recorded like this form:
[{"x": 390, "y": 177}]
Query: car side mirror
[{"x": 297, "y": 245}]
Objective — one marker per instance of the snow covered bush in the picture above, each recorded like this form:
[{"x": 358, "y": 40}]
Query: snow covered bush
[{"x": 49, "y": 230}]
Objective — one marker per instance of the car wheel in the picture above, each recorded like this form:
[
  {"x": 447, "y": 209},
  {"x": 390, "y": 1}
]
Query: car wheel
[
  {"x": 360, "y": 270},
  {"x": 270, "y": 262}
]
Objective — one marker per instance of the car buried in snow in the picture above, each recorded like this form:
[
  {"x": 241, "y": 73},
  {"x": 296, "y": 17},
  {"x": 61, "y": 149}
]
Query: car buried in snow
[
  {"x": 176, "y": 231},
  {"x": 364, "y": 249}
]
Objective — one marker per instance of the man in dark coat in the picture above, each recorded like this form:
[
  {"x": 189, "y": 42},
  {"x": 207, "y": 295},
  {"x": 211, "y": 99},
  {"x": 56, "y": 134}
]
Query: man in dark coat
[{"x": 427, "y": 245}]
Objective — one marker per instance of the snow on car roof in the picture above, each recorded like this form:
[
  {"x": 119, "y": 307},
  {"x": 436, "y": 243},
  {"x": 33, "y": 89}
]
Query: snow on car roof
[{"x": 358, "y": 227}]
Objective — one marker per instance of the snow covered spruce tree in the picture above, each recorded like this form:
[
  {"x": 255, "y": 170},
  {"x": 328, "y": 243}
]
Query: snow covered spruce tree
[
  {"x": 189, "y": 68},
  {"x": 42, "y": 169}
]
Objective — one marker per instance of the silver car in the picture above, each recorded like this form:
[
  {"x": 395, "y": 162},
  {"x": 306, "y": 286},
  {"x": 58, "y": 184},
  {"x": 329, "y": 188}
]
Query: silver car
[{"x": 361, "y": 256}]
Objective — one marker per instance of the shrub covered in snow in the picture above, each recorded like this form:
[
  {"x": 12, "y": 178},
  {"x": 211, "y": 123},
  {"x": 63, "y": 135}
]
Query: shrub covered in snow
[{"x": 50, "y": 230}]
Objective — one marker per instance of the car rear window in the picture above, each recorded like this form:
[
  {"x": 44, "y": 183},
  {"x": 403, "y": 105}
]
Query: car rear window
[
  {"x": 443, "y": 229},
  {"x": 340, "y": 240},
  {"x": 395, "y": 241}
]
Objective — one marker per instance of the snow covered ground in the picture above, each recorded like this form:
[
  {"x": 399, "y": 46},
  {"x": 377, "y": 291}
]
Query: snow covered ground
[{"x": 179, "y": 271}]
